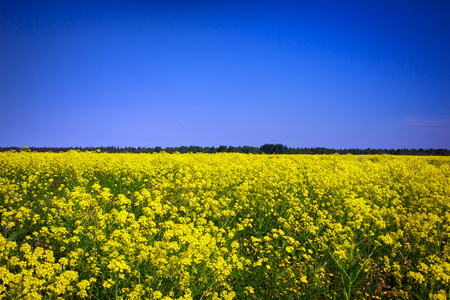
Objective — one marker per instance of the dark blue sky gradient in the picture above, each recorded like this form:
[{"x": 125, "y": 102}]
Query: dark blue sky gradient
[{"x": 336, "y": 74}]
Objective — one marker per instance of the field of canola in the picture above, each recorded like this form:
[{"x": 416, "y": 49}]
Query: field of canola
[{"x": 223, "y": 226}]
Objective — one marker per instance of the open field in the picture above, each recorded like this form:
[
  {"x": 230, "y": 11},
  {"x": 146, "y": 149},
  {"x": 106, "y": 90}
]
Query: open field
[{"x": 223, "y": 226}]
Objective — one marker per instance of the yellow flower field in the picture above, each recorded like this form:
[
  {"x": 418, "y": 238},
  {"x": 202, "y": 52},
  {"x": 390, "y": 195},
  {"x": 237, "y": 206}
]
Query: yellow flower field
[{"x": 86, "y": 225}]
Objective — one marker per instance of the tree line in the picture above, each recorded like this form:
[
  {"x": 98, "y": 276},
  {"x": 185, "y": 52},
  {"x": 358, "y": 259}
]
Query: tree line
[{"x": 264, "y": 149}]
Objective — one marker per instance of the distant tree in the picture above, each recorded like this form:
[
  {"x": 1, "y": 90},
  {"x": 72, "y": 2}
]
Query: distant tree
[
  {"x": 169, "y": 150},
  {"x": 183, "y": 149},
  {"x": 212, "y": 150},
  {"x": 195, "y": 149},
  {"x": 249, "y": 149},
  {"x": 232, "y": 149},
  {"x": 274, "y": 148},
  {"x": 267, "y": 148}
]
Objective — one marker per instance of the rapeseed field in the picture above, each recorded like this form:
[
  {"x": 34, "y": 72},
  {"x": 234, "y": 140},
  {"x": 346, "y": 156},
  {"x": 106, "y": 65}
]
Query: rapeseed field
[{"x": 87, "y": 225}]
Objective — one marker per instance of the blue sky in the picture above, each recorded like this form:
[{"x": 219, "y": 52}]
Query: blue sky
[{"x": 336, "y": 74}]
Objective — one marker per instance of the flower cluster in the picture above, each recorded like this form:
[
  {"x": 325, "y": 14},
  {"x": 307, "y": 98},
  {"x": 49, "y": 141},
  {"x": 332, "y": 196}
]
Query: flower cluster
[{"x": 89, "y": 225}]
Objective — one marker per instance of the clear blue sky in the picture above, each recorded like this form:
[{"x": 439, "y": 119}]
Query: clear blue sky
[{"x": 336, "y": 74}]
